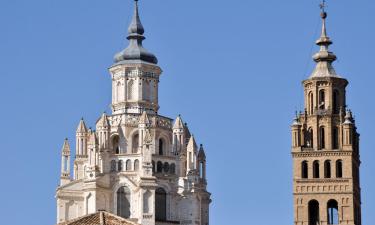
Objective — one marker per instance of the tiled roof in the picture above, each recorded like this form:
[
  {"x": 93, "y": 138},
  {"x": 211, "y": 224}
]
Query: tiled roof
[{"x": 99, "y": 218}]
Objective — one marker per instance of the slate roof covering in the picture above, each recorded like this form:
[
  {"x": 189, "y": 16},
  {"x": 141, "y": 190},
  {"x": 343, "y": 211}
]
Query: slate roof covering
[{"x": 99, "y": 218}]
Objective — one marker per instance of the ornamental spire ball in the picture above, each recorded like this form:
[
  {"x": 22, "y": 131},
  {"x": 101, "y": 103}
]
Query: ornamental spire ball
[{"x": 135, "y": 50}]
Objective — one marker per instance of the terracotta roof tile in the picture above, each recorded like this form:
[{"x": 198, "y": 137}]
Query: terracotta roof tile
[{"x": 99, "y": 218}]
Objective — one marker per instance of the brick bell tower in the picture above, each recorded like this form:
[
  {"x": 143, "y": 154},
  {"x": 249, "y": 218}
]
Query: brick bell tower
[{"x": 325, "y": 148}]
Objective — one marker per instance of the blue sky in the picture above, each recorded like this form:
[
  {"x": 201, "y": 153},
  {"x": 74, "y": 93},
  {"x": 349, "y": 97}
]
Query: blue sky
[{"x": 233, "y": 69}]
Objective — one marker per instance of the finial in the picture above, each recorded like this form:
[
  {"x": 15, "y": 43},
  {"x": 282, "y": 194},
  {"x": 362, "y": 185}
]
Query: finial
[{"x": 135, "y": 50}]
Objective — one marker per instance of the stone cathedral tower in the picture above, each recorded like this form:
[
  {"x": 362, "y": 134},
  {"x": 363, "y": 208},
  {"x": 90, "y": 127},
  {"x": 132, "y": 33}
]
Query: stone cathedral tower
[
  {"x": 136, "y": 164},
  {"x": 325, "y": 148}
]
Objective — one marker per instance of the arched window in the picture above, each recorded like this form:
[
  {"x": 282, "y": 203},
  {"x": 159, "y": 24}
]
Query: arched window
[
  {"x": 160, "y": 205},
  {"x": 311, "y": 103},
  {"x": 322, "y": 99},
  {"x": 314, "y": 217},
  {"x": 123, "y": 202},
  {"x": 131, "y": 90},
  {"x": 305, "y": 170},
  {"x": 136, "y": 165},
  {"x": 333, "y": 212},
  {"x": 327, "y": 169},
  {"x": 339, "y": 169},
  {"x": 120, "y": 165},
  {"x": 135, "y": 143},
  {"x": 172, "y": 168},
  {"x": 159, "y": 167},
  {"x": 335, "y": 102},
  {"x": 166, "y": 167},
  {"x": 128, "y": 165},
  {"x": 316, "y": 171},
  {"x": 115, "y": 144},
  {"x": 161, "y": 146},
  {"x": 309, "y": 138},
  {"x": 322, "y": 138},
  {"x": 113, "y": 165}
]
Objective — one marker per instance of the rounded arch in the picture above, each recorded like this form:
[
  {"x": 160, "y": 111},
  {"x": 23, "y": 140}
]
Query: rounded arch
[
  {"x": 327, "y": 169},
  {"x": 115, "y": 143},
  {"x": 161, "y": 146},
  {"x": 136, "y": 165},
  {"x": 311, "y": 103},
  {"x": 309, "y": 138},
  {"x": 128, "y": 165},
  {"x": 160, "y": 204},
  {"x": 305, "y": 170},
  {"x": 159, "y": 167},
  {"x": 172, "y": 169},
  {"x": 314, "y": 215},
  {"x": 166, "y": 167},
  {"x": 339, "y": 171},
  {"x": 316, "y": 169},
  {"x": 120, "y": 165},
  {"x": 333, "y": 212},
  {"x": 322, "y": 99},
  {"x": 322, "y": 137}
]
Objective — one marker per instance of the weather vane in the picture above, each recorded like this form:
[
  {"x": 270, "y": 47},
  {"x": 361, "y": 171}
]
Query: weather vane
[{"x": 323, "y": 5}]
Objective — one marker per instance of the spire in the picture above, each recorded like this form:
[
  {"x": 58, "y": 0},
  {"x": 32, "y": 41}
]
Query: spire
[
  {"x": 324, "y": 58},
  {"x": 135, "y": 50},
  {"x": 66, "y": 148},
  {"x": 144, "y": 118},
  {"x": 192, "y": 145},
  {"x": 81, "y": 127},
  {"x": 201, "y": 154},
  {"x": 178, "y": 124},
  {"x": 103, "y": 121}
]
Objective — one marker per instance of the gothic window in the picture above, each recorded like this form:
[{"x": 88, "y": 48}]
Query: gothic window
[
  {"x": 136, "y": 165},
  {"x": 160, "y": 205},
  {"x": 201, "y": 168},
  {"x": 172, "y": 168},
  {"x": 322, "y": 138},
  {"x": 113, "y": 165},
  {"x": 322, "y": 99},
  {"x": 335, "y": 102},
  {"x": 314, "y": 217},
  {"x": 305, "y": 170},
  {"x": 161, "y": 146},
  {"x": 159, "y": 167},
  {"x": 131, "y": 90},
  {"x": 333, "y": 212},
  {"x": 335, "y": 138},
  {"x": 146, "y": 201},
  {"x": 327, "y": 169},
  {"x": 166, "y": 167},
  {"x": 339, "y": 169},
  {"x": 309, "y": 138},
  {"x": 123, "y": 202},
  {"x": 311, "y": 103},
  {"x": 135, "y": 143},
  {"x": 316, "y": 171},
  {"x": 119, "y": 165},
  {"x": 115, "y": 144},
  {"x": 128, "y": 165}
]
